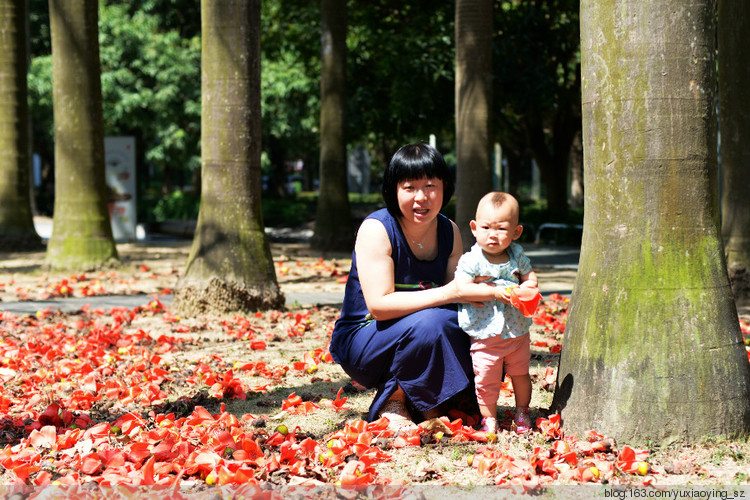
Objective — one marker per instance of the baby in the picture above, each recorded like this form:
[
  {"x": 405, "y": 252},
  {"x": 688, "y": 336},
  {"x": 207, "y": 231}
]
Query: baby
[{"x": 499, "y": 332}]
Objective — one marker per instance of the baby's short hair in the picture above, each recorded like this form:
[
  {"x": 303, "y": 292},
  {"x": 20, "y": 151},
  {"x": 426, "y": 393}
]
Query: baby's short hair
[{"x": 498, "y": 199}]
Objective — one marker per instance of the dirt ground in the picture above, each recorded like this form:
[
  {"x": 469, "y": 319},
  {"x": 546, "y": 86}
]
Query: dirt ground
[{"x": 277, "y": 353}]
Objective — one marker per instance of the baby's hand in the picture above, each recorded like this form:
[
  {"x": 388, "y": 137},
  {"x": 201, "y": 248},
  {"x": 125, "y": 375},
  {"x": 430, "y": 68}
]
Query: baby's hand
[{"x": 502, "y": 294}]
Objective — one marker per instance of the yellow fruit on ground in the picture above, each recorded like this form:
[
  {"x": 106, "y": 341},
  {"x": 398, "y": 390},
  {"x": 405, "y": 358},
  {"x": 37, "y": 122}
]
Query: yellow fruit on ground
[{"x": 643, "y": 468}]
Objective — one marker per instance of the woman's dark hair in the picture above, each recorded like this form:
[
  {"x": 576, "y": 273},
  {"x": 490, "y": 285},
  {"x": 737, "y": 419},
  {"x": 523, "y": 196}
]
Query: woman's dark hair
[{"x": 411, "y": 162}]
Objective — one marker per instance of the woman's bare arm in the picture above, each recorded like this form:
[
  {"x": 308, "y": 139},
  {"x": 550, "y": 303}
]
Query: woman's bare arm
[{"x": 376, "y": 275}]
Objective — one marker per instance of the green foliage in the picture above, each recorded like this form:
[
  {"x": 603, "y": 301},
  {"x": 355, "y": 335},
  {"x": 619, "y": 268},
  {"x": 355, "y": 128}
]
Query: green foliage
[
  {"x": 39, "y": 32},
  {"x": 534, "y": 214},
  {"x": 400, "y": 77},
  {"x": 536, "y": 60},
  {"x": 286, "y": 213},
  {"x": 151, "y": 85},
  {"x": 182, "y": 16},
  {"x": 179, "y": 205},
  {"x": 401, "y": 72},
  {"x": 290, "y": 80},
  {"x": 291, "y": 105},
  {"x": 367, "y": 199},
  {"x": 184, "y": 205},
  {"x": 40, "y": 102}
]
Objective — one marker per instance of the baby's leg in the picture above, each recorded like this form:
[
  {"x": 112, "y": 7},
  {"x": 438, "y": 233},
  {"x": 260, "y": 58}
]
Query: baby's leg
[
  {"x": 487, "y": 371},
  {"x": 522, "y": 389},
  {"x": 517, "y": 368},
  {"x": 517, "y": 364},
  {"x": 487, "y": 361}
]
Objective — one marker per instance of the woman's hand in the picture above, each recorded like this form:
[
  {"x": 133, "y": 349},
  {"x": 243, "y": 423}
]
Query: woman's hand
[{"x": 475, "y": 292}]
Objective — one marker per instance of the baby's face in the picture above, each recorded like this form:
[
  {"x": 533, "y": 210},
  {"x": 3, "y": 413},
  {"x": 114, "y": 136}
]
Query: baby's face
[{"x": 495, "y": 227}]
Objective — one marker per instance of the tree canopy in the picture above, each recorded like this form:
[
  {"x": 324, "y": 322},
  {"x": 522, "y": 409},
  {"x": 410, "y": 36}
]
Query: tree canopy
[{"x": 400, "y": 74}]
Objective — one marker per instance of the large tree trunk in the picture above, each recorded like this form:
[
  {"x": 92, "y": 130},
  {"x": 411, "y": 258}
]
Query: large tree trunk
[
  {"x": 16, "y": 223},
  {"x": 333, "y": 225},
  {"x": 652, "y": 346},
  {"x": 734, "y": 120},
  {"x": 230, "y": 267},
  {"x": 82, "y": 234},
  {"x": 473, "y": 105}
]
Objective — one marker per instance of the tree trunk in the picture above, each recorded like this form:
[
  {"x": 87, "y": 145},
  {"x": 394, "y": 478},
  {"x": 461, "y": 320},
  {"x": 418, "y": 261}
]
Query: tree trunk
[
  {"x": 554, "y": 160},
  {"x": 333, "y": 225},
  {"x": 81, "y": 234},
  {"x": 277, "y": 179},
  {"x": 16, "y": 222},
  {"x": 734, "y": 124},
  {"x": 473, "y": 104},
  {"x": 230, "y": 267},
  {"x": 652, "y": 346},
  {"x": 576, "y": 172}
]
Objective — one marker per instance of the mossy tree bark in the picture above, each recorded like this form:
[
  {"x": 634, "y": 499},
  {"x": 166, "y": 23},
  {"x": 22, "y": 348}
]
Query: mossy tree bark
[
  {"x": 230, "y": 267},
  {"x": 652, "y": 346},
  {"x": 473, "y": 103},
  {"x": 81, "y": 234},
  {"x": 333, "y": 225},
  {"x": 16, "y": 223},
  {"x": 734, "y": 124}
]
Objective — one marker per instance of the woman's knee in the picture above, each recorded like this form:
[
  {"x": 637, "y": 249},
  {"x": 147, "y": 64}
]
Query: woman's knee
[{"x": 432, "y": 325}]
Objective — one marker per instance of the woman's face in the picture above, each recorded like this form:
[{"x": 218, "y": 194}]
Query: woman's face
[{"x": 420, "y": 200}]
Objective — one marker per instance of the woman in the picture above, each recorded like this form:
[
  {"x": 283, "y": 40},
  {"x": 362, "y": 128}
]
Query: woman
[{"x": 398, "y": 329}]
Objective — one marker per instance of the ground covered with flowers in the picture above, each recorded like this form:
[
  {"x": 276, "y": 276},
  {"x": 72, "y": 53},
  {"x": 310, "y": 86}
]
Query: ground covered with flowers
[{"x": 123, "y": 396}]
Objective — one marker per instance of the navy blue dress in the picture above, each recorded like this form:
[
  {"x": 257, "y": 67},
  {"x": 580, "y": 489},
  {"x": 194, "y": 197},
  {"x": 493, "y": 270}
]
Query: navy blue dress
[{"x": 426, "y": 352}]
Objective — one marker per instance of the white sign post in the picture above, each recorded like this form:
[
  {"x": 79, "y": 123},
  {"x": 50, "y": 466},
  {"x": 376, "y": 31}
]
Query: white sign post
[{"x": 119, "y": 158}]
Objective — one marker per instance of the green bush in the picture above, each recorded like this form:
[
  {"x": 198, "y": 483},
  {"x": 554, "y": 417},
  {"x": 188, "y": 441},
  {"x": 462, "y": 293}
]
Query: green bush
[
  {"x": 287, "y": 213},
  {"x": 295, "y": 212},
  {"x": 178, "y": 205},
  {"x": 535, "y": 213}
]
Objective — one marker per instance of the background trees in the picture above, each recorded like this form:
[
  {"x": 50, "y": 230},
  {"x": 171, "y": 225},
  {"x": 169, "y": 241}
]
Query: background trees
[
  {"x": 401, "y": 76},
  {"x": 734, "y": 118},
  {"x": 652, "y": 343},
  {"x": 400, "y": 81},
  {"x": 82, "y": 236},
  {"x": 230, "y": 266},
  {"x": 538, "y": 89},
  {"x": 16, "y": 224},
  {"x": 402, "y": 69},
  {"x": 151, "y": 90},
  {"x": 333, "y": 227},
  {"x": 473, "y": 105},
  {"x": 150, "y": 63}
]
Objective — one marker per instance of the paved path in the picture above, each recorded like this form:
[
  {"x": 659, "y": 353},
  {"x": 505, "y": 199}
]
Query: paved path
[{"x": 555, "y": 265}]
